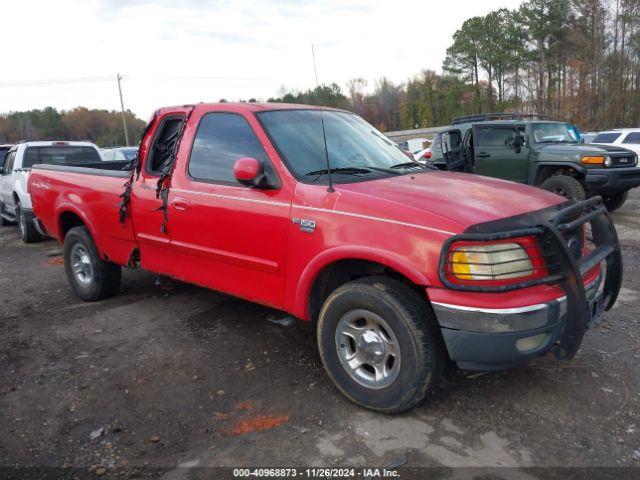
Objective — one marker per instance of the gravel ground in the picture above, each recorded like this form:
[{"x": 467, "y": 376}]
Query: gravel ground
[{"x": 158, "y": 379}]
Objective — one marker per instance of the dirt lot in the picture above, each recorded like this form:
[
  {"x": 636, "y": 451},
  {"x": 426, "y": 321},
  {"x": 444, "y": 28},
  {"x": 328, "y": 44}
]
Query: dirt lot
[{"x": 184, "y": 376}]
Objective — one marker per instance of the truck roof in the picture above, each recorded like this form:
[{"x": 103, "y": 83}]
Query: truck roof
[
  {"x": 251, "y": 106},
  {"x": 57, "y": 143}
]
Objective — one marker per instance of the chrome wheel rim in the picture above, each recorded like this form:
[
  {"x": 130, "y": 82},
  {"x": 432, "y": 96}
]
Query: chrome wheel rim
[
  {"x": 81, "y": 264},
  {"x": 22, "y": 223},
  {"x": 368, "y": 349}
]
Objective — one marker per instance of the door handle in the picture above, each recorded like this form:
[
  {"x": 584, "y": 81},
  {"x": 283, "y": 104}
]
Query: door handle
[
  {"x": 181, "y": 204},
  {"x": 483, "y": 155}
]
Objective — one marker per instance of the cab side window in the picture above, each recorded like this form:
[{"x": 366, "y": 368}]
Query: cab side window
[
  {"x": 494, "y": 137},
  {"x": 488, "y": 137},
  {"x": 221, "y": 139},
  {"x": 164, "y": 142},
  {"x": 633, "y": 137}
]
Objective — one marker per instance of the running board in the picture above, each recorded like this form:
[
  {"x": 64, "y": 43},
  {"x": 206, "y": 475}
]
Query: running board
[{"x": 8, "y": 217}]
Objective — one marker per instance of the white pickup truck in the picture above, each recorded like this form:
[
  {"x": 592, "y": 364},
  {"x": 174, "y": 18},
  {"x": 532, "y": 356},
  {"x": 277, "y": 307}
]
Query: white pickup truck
[{"x": 15, "y": 201}]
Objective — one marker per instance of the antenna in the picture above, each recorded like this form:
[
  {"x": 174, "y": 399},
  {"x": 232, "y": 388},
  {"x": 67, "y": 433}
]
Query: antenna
[{"x": 324, "y": 133}]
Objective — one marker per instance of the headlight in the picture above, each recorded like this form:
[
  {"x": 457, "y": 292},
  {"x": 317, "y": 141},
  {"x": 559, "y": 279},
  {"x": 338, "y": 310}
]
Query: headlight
[
  {"x": 500, "y": 261},
  {"x": 607, "y": 161}
]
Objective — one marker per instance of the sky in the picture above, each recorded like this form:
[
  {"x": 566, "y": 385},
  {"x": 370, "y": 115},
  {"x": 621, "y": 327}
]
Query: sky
[{"x": 67, "y": 53}]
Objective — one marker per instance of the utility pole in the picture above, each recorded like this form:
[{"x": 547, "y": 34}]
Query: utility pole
[{"x": 124, "y": 118}]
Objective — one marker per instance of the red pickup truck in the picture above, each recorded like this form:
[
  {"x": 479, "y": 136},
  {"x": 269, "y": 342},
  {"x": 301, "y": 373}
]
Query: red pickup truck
[{"x": 317, "y": 213}]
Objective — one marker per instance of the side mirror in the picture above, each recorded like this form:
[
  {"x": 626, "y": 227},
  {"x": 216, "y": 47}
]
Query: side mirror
[
  {"x": 518, "y": 142},
  {"x": 250, "y": 173},
  {"x": 445, "y": 143}
]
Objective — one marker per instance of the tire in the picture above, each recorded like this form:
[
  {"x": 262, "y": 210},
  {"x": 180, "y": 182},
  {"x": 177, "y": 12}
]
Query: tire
[
  {"x": 28, "y": 232},
  {"x": 409, "y": 330},
  {"x": 565, "y": 186},
  {"x": 615, "y": 201},
  {"x": 90, "y": 277}
]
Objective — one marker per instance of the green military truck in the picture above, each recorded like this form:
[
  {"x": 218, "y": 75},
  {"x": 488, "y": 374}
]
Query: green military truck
[{"x": 534, "y": 150}]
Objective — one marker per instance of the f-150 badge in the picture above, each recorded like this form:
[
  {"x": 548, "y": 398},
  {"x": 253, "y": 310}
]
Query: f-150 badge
[{"x": 308, "y": 226}]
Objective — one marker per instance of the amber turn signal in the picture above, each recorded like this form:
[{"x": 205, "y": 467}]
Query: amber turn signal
[{"x": 596, "y": 160}]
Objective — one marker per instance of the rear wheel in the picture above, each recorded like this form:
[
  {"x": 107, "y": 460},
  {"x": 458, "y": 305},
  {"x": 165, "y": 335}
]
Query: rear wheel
[
  {"x": 380, "y": 344},
  {"x": 28, "y": 231},
  {"x": 565, "y": 186},
  {"x": 615, "y": 201},
  {"x": 90, "y": 277}
]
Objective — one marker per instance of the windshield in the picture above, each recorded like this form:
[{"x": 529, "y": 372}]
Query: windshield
[
  {"x": 129, "y": 153},
  {"x": 355, "y": 148},
  {"x": 3, "y": 154},
  {"x": 552, "y": 132}
]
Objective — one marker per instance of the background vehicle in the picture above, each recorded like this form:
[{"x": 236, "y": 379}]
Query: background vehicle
[
  {"x": 587, "y": 137},
  {"x": 119, "y": 153},
  {"x": 423, "y": 156},
  {"x": 625, "y": 137},
  {"x": 403, "y": 267},
  {"x": 15, "y": 201},
  {"x": 530, "y": 149},
  {"x": 417, "y": 144}
]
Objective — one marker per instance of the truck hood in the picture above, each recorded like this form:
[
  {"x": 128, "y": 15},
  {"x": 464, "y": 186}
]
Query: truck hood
[
  {"x": 446, "y": 201},
  {"x": 581, "y": 150}
]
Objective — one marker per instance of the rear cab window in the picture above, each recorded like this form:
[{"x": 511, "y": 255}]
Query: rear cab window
[
  {"x": 606, "y": 137},
  {"x": 54, "y": 155}
]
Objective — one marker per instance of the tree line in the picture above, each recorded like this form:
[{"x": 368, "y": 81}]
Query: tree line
[
  {"x": 576, "y": 60},
  {"x": 102, "y": 127}
]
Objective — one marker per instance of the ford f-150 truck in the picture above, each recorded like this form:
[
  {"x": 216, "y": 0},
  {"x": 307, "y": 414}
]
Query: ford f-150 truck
[{"x": 313, "y": 211}]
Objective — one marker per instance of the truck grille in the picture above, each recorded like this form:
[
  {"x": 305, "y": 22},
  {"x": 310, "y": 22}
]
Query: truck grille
[{"x": 627, "y": 160}]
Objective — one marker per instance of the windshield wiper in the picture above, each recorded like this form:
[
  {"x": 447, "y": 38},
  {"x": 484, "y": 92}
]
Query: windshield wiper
[
  {"x": 344, "y": 170},
  {"x": 408, "y": 165},
  {"x": 380, "y": 169}
]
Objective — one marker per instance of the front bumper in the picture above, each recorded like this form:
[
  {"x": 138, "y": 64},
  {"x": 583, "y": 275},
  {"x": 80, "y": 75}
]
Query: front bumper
[
  {"x": 601, "y": 180},
  {"x": 494, "y": 339},
  {"x": 489, "y": 339}
]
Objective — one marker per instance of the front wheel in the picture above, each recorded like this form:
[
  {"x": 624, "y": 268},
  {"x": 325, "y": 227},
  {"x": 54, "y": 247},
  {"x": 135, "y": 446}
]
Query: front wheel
[
  {"x": 90, "y": 277},
  {"x": 565, "y": 186},
  {"x": 615, "y": 201},
  {"x": 380, "y": 344}
]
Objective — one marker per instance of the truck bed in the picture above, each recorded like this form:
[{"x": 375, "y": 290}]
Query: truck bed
[{"x": 67, "y": 195}]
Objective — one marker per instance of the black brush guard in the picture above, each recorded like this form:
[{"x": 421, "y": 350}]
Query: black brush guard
[{"x": 564, "y": 269}]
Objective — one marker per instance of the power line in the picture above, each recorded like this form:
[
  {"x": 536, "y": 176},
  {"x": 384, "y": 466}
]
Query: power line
[
  {"x": 152, "y": 78},
  {"x": 59, "y": 81}
]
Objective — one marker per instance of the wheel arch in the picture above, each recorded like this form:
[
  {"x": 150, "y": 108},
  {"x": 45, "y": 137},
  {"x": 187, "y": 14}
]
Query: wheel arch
[
  {"x": 69, "y": 217},
  {"x": 339, "y": 265},
  {"x": 545, "y": 170}
]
